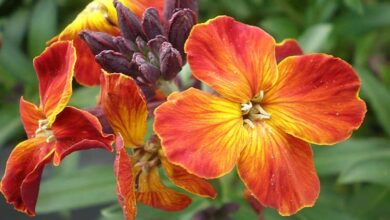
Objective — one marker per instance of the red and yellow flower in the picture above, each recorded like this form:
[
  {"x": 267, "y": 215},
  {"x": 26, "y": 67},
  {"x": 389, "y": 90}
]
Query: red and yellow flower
[
  {"x": 53, "y": 129},
  {"x": 138, "y": 175},
  {"x": 264, "y": 116},
  {"x": 101, "y": 16}
]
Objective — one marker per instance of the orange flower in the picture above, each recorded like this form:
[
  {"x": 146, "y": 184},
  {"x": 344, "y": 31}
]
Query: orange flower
[
  {"x": 265, "y": 115},
  {"x": 99, "y": 15},
  {"x": 138, "y": 175},
  {"x": 53, "y": 129}
]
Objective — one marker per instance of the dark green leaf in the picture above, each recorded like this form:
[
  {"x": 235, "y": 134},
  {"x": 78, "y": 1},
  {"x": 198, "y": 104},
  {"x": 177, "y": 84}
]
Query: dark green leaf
[
  {"x": 85, "y": 97},
  {"x": 378, "y": 96},
  {"x": 335, "y": 159},
  {"x": 42, "y": 27},
  {"x": 315, "y": 37},
  {"x": 82, "y": 188},
  {"x": 375, "y": 170}
]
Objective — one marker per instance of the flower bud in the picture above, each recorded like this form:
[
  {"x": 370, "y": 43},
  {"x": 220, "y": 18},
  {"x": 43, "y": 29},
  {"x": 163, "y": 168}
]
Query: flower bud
[
  {"x": 171, "y": 5},
  {"x": 128, "y": 22},
  {"x": 170, "y": 61},
  {"x": 180, "y": 26},
  {"x": 154, "y": 44},
  {"x": 125, "y": 46},
  {"x": 141, "y": 44},
  {"x": 98, "y": 41},
  {"x": 151, "y": 23},
  {"x": 115, "y": 62},
  {"x": 148, "y": 72}
]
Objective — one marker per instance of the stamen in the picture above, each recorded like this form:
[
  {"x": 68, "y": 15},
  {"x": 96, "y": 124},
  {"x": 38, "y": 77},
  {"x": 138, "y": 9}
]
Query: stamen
[
  {"x": 261, "y": 110},
  {"x": 51, "y": 138},
  {"x": 245, "y": 108},
  {"x": 249, "y": 122},
  {"x": 259, "y": 97}
]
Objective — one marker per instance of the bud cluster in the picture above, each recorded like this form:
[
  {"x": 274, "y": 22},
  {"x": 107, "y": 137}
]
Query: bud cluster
[{"x": 149, "y": 49}]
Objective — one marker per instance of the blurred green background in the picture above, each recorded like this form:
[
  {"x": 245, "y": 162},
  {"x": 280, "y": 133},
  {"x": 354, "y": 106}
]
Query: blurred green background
[{"x": 355, "y": 175}]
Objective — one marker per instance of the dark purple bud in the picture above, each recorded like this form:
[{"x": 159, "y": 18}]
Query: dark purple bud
[
  {"x": 154, "y": 44},
  {"x": 153, "y": 59},
  {"x": 180, "y": 27},
  {"x": 98, "y": 113},
  {"x": 125, "y": 46},
  {"x": 172, "y": 5},
  {"x": 115, "y": 62},
  {"x": 151, "y": 23},
  {"x": 141, "y": 44},
  {"x": 138, "y": 58},
  {"x": 128, "y": 22},
  {"x": 150, "y": 72},
  {"x": 170, "y": 61},
  {"x": 98, "y": 41},
  {"x": 147, "y": 90}
]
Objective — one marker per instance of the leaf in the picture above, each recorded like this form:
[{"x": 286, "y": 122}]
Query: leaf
[
  {"x": 42, "y": 27},
  {"x": 11, "y": 126},
  {"x": 378, "y": 96},
  {"x": 374, "y": 171},
  {"x": 378, "y": 205},
  {"x": 280, "y": 27},
  {"x": 375, "y": 16},
  {"x": 315, "y": 37},
  {"x": 16, "y": 64},
  {"x": 82, "y": 188},
  {"x": 85, "y": 97},
  {"x": 355, "y": 5},
  {"x": 16, "y": 26},
  {"x": 335, "y": 159}
]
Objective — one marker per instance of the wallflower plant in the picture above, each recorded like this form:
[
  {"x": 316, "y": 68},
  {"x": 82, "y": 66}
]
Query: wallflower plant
[{"x": 266, "y": 103}]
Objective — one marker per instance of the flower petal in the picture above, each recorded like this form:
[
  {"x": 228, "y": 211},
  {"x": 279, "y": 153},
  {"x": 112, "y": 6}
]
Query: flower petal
[
  {"x": 316, "y": 99},
  {"x": 20, "y": 183},
  {"x": 123, "y": 169},
  {"x": 235, "y": 59},
  {"x": 76, "y": 130},
  {"x": 30, "y": 115},
  {"x": 125, "y": 108},
  {"x": 151, "y": 191},
  {"x": 279, "y": 170},
  {"x": 286, "y": 48},
  {"x": 181, "y": 178},
  {"x": 99, "y": 15},
  {"x": 201, "y": 132},
  {"x": 54, "y": 68},
  {"x": 138, "y": 7}
]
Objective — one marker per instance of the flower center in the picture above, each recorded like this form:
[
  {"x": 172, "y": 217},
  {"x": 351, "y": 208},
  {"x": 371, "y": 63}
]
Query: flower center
[
  {"x": 253, "y": 112},
  {"x": 146, "y": 158},
  {"x": 44, "y": 130}
]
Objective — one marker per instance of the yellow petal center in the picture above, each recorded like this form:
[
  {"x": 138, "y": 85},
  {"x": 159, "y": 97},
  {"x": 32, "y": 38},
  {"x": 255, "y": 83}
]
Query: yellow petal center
[{"x": 253, "y": 112}]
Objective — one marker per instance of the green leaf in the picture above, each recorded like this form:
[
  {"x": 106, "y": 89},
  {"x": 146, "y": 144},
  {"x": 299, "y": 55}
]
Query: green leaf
[
  {"x": 378, "y": 97},
  {"x": 375, "y": 16},
  {"x": 378, "y": 205},
  {"x": 374, "y": 171},
  {"x": 280, "y": 27},
  {"x": 16, "y": 26},
  {"x": 355, "y": 5},
  {"x": 85, "y": 97},
  {"x": 11, "y": 125},
  {"x": 42, "y": 27},
  {"x": 16, "y": 64},
  {"x": 315, "y": 37},
  {"x": 82, "y": 188},
  {"x": 335, "y": 159}
]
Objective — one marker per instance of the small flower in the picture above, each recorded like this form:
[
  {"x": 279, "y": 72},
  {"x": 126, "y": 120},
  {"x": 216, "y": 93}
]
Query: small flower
[
  {"x": 101, "y": 16},
  {"x": 265, "y": 115},
  {"x": 138, "y": 174},
  {"x": 53, "y": 130}
]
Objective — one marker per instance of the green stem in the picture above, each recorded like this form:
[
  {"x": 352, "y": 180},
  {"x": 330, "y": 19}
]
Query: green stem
[{"x": 167, "y": 87}]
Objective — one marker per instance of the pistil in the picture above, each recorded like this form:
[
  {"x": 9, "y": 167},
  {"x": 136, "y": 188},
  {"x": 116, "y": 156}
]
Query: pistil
[{"x": 44, "y": 130}]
